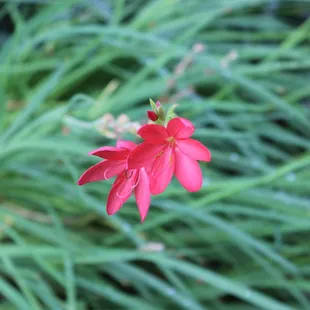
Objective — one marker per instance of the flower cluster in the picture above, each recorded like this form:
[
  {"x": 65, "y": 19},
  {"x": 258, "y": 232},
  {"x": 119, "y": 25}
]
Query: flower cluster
[{"x": 147, "y": 169}]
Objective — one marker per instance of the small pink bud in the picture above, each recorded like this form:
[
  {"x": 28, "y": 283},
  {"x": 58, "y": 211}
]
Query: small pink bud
[
  {"x": 158, "y": 104},
  {"x": 152, "y": 116}
]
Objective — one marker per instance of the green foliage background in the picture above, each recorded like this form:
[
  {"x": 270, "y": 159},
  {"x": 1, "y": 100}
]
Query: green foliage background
[{"x": 240, "y": 243}]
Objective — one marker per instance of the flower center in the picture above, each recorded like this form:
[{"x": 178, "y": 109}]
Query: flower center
[{"x": 171, "y": 141}]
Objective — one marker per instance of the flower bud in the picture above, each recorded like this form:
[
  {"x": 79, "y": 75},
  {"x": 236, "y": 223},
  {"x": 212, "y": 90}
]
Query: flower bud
[{"x": 152, "y": 116}]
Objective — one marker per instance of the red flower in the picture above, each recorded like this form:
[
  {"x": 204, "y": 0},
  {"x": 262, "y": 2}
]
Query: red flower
[
  {"x": 173, "y": 152},
  {"x": 115, "y": 164}
]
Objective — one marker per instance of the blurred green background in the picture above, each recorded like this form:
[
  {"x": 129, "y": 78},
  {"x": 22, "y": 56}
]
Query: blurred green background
[{"x": 76, "y": 75}]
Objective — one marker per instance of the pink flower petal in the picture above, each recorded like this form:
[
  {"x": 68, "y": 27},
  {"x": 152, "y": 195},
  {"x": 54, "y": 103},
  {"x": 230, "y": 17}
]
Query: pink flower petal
[
  {"x": 162, "y": 171},
  {"x": 142, "y": 193},
  {"x": 188, "y": 172},
  {"x": 143, "y": 155},
  {"x": 102, "y": 171},
  {"x": 180, "y": 128},
  {"x": 120, "y": 192},
  {"x": 153, "y": 133},
  {"x": 126, "y": 144},
  {"x": 111, "y": 153},
  {"x": 129, "y": 183},
  {"x": 162, "y": 161},
  {"x": 194, "y": 149},
  {"x": 114, "y": 203}
]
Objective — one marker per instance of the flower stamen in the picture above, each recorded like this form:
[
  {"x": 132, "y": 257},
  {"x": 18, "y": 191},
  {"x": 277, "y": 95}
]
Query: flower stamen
[
  {"x": 159, "y": 154},
  {"x": 123, "y": 196},
  {"x": 137, "y": 181},
  {"x": 105, "y": 174},
  {"x": 171, "y": 141}
]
